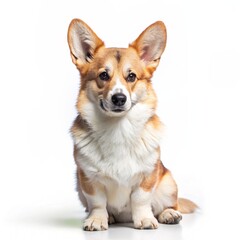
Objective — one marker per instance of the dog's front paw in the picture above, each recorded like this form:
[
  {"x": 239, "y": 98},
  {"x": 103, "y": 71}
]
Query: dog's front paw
[
  {"x": 170, "y": 216},
  {"x": 95, "y": 224},
  {"x": 146, "y": 223}
]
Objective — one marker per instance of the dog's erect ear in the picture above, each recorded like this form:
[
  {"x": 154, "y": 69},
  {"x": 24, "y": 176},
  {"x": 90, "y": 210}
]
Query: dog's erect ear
[
  {"x": 150, "y": 44},
  {"x": 82, "y": 41}
]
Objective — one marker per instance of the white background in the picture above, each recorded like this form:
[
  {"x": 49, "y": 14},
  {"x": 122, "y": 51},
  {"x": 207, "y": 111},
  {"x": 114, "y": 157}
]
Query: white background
[{"x": 198, "y": 86}]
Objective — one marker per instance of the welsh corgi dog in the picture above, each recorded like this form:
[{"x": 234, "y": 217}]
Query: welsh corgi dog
[{"x": 120, "y": 175}]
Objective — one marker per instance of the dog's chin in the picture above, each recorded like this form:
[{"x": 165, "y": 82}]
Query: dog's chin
[
  {"x": 113, "y": 112},
  {"x": 116, "y": 113}
]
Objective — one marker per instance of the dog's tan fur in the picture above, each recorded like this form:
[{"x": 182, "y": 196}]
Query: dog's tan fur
[{"x": 116, "y": 145}]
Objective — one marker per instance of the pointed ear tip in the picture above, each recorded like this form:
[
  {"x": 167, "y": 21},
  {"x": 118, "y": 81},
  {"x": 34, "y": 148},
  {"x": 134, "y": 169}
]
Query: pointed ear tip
[
  {"x": 74, "y": 22},
  {"x": 161, "y": 25},
  {"x": 157, "y": 25},
  {"x": 160, "y": 22},
  {"x": 70, "y": 31},
  {"x": 71, "y": 25}
]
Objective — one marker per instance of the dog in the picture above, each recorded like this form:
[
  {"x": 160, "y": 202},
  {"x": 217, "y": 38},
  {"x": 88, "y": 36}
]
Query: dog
[{"x": 120, "y": 175}]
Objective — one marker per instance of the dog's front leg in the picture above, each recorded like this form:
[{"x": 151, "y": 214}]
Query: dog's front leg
[
  {"x": 142, "y": 214},
  {"x": 98, "y": 216}
]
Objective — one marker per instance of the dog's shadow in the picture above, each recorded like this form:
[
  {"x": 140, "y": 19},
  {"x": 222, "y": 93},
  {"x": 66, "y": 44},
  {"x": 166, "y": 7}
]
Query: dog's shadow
[
  {"x": 122, "y": 230},
  {"x": 62, "y": 219},
  {"x": 118, "y": 231},
  {"x": 66, "y": 222},
  {"x": 74, "y": 220}
]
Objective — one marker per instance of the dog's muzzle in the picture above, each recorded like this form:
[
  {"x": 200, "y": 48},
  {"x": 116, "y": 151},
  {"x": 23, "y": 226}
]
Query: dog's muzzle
[{"x": 116, "y": 104}]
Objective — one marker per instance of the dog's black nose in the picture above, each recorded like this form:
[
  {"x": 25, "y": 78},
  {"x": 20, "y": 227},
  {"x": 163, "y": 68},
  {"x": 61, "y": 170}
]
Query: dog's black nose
[{"x": 119, "y": 99}]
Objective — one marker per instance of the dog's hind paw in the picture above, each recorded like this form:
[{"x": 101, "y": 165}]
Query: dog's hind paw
[{"x": 170, "y": 216}]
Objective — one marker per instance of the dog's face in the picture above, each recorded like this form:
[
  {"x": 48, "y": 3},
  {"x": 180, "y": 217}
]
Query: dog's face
[{"x": 115, "y": 79}]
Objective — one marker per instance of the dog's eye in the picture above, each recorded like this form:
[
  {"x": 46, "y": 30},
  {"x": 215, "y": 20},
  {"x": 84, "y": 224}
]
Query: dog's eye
[
  {"x": 131, "y": 77},
  {"x": 104, "y": 76}
]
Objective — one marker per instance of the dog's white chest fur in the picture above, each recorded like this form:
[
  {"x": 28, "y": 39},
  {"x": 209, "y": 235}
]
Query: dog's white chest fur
[{"x": 116, "y": 148}]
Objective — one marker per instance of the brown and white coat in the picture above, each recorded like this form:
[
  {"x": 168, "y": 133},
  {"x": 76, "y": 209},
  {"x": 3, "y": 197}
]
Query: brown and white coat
[{"x": 116, "y": 134}]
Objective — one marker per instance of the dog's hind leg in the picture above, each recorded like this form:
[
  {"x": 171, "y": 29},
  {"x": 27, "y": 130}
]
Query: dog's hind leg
[{"x": 165, "y": 200}]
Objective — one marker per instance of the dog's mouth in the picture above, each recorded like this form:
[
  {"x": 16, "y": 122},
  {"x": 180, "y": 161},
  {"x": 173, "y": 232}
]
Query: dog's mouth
[
  {"x": 113, "y": 109},
  {"x": 117, "y": 110},
  {"x": 102, "y": 105}
]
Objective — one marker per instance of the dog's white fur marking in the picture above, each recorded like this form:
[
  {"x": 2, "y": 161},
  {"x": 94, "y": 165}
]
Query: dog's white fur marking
[
  {"x": 117, "y": 146},
  {"x": 118, "y": 88}
]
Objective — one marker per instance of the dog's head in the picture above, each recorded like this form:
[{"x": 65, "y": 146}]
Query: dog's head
[{"x": 116, "y": 79}]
